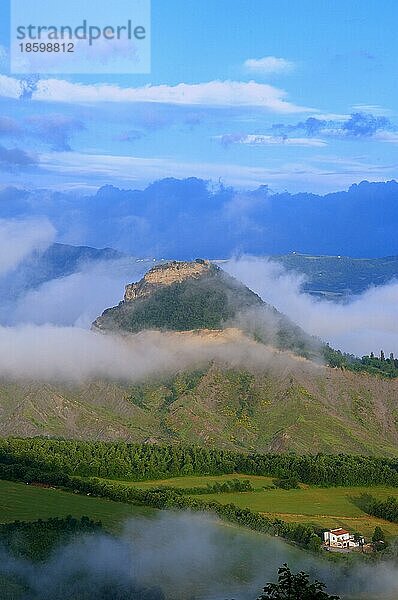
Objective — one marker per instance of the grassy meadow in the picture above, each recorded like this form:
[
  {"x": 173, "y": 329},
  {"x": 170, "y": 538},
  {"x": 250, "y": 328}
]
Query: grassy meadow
[
  {"x": 22, "y": 502},
  {"x": 324, "y": 507}
]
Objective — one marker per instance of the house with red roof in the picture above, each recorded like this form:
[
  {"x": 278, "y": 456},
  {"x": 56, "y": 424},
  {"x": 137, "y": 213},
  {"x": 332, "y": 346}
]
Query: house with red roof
[{"x": 341, "y": 538}]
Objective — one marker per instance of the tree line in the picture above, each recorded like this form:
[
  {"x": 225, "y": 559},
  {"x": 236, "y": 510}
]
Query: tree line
[
  {"x": 140, "y": 462},
  {"x": 372, "y": 364},
  {"x": 218, "y": 487},
  {"x": 384, "y": 509}
]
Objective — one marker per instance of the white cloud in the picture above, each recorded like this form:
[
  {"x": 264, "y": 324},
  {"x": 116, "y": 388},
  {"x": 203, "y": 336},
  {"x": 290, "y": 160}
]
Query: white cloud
[
  {"x": 212, "y": 93},
  {"x": 367, "y": 323},
  {"x": 19, "y": 238},
  {"x": 268, "y": 65},
  {"x": 386, "y": 136},
  {"x": 270, "y": 140},
  {"x": 10, "y": 87},
  {"x": 71, "y": 353},
  {"x": 331, "y": 116},
  {"x": 70, "y": 300}
]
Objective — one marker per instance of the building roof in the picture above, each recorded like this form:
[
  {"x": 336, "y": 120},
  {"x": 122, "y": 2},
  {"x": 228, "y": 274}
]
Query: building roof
[{"x": 339, "y": 531}]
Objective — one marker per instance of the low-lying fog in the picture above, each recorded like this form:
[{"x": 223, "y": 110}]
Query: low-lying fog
[{"x": 185, "y": 557}]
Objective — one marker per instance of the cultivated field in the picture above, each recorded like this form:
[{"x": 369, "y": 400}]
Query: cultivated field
[{"x": 324, "y": 507}]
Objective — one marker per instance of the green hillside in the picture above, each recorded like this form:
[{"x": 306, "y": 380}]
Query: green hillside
[{"x": 306, "y": 409}]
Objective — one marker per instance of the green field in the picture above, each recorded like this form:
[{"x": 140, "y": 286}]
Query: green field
[
  {"x": 324, "y": 507},
  {"x": 22, "y": 502}
]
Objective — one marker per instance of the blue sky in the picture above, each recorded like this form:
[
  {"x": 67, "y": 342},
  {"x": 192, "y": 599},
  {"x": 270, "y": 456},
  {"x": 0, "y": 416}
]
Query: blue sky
[{"x": 295, "y": 95}]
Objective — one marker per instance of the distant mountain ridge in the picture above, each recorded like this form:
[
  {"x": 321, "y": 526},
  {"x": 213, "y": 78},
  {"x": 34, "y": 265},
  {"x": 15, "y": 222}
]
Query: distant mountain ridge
[
  {"x": 338, "y": 277},
  {"x": 58, "y": 260}
]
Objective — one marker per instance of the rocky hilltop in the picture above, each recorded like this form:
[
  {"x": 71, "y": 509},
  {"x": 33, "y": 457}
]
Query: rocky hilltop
[
  {"x": 167, "y": 274},
  {"x": 198, "y": 295},
  {"x": 179, "y": 296}
]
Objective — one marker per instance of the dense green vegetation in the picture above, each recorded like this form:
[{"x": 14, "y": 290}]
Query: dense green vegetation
[
  {"x": 35, "y": 540},
  {"x": 119, "y": 460},
  {"x": 384, "y": 509},
  {"x": 287, "y": 482}
]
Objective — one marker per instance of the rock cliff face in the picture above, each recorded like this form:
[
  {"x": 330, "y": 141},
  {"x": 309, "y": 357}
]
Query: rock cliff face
[{"x": 167, "y": 274}]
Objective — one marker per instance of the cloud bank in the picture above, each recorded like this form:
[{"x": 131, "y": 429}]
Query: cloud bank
[
  {"x": 74, "y": 300},
  {"x": 212, "y": 93},
  {"x": 367, "y": 322},
  {"x": 73, "y": 354}
]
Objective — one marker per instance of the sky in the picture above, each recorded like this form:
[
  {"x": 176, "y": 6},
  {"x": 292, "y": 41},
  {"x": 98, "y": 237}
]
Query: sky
[{"x": 300, "y": 96}]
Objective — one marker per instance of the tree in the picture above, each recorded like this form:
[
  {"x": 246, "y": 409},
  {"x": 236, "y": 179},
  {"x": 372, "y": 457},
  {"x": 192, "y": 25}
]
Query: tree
[
  {"x": 378, "y": 535},
  {"x": 297, "y": 586},
  {"x": 358, "y": 538},
  {"x": 315, "y": 543},
  {"x": 378, "y": 538}
]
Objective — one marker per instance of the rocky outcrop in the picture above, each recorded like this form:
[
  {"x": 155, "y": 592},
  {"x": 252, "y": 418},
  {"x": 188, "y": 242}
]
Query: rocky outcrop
[{"x": 167, "y": 274}]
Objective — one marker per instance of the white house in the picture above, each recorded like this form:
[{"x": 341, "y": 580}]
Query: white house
[{"x": 340, "y": 538}]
